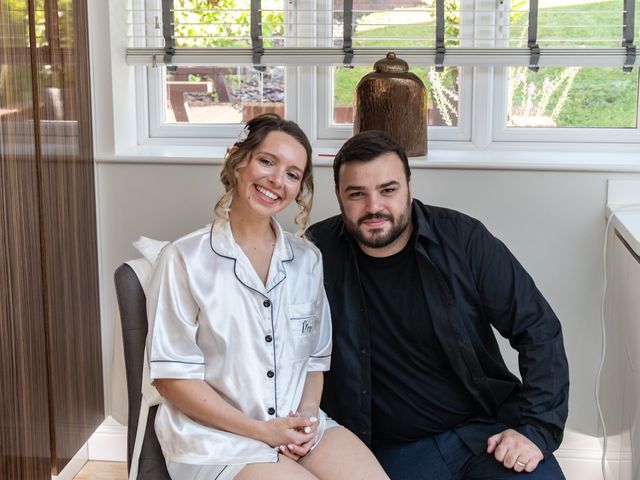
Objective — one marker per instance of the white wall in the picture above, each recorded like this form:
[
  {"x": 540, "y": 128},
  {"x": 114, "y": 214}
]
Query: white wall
[{"x": 553, "y": 221}]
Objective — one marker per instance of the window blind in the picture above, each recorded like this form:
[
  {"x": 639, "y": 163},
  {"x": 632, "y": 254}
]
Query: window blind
[{"x": 532, "y": 33}]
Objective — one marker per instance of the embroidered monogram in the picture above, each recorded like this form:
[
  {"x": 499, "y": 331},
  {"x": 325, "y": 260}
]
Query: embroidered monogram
[{"x": 306, "y": 327}]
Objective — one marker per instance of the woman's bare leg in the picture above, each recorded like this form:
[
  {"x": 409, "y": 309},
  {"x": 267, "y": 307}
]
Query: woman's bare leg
[
  {"x": 283, "y": 469},
  {"x": 341, "y": 455}
]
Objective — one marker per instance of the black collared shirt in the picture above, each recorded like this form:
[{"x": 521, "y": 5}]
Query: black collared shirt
[
  {"x": 415, "y": 393},
  {"x": 472, "y": 282}
]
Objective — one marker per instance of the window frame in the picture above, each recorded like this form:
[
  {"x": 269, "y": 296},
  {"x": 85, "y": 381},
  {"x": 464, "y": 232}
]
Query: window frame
[{"x": 309, "y": 98}]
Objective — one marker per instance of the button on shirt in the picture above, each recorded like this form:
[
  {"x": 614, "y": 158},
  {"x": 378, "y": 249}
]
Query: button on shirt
[{"x": 213, "y": 319}]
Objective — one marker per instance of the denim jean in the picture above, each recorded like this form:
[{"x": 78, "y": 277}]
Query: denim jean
[{"x": 446, "y": 457}]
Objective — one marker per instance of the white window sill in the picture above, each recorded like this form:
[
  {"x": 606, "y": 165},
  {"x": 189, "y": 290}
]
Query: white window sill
[{"x": 599, "y": 158}]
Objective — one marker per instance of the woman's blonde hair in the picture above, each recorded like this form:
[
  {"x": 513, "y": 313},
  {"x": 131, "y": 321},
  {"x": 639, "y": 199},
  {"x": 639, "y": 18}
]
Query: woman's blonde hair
[{"x": 239, "y": 155}]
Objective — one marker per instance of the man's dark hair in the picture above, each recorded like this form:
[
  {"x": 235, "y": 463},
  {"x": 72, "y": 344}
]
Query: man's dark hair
[{"x": 366, "y": 146}]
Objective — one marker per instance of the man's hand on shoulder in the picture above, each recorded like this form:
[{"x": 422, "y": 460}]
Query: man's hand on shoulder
[{"x": 514, "y": 450}]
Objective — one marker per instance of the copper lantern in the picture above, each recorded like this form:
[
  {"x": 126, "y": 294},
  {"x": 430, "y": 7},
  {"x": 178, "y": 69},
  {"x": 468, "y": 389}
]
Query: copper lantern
[{"x": 394, "y": 100}]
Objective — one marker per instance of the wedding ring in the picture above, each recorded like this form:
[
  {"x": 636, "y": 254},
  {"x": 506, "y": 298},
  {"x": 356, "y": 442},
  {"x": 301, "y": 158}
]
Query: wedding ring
[{"x": 520, "y": 464}]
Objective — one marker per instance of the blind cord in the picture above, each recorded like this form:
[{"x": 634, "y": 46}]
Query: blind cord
[{"x": 604, "y": 334}]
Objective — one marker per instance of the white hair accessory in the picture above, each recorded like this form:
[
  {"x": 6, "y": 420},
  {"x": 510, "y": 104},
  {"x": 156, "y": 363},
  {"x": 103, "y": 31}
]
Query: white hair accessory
[{"x": 242, "y": 136}]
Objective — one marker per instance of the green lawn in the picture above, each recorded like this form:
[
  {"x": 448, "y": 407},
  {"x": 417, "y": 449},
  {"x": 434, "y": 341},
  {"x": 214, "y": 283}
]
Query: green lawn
[
  {"x": 598, "y": 97},
  {"x": 595, "y": 21}
]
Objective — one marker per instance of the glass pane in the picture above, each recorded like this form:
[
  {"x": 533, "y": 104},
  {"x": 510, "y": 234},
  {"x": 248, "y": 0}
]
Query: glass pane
[
  {"x": 202, "y": 23},
  {"x": 569, "y": 23},
  {"x": 396, "y": 23},
  {"x": 577, "y": 97},
  {"x": 443, "y": 95},
  {"x": 226, "y": 23},
  {"x": 272, "y": 18},
  {"x": 222, "y": 94}
]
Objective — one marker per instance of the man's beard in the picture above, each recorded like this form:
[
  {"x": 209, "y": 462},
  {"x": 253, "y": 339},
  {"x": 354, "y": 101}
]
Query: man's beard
[{"x": 379, "y": 239}]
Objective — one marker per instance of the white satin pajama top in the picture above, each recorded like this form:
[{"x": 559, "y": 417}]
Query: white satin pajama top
[{"x": 212, "y": 318}]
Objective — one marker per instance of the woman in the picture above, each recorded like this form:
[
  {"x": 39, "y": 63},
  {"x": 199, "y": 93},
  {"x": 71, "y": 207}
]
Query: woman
[{"x": 242, "y": 333}]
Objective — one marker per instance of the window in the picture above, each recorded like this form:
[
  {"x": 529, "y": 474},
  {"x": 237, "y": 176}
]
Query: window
[
  {"x": 571, "y": 97},
  {"x": 398, "y": 24},
  {"x": 574, "y": 96},
  {"x": 221, "y": 94},
  {"x": 199, "y": 77}
]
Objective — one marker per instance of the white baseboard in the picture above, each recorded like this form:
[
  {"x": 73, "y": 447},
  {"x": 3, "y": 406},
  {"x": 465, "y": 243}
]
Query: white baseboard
[
  {"x": 579, "y": 455},
  {"x": 109, "y": 442}
]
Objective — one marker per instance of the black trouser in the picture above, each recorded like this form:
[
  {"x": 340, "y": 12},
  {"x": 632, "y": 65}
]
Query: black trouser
[{"x": 446, "y": 457}]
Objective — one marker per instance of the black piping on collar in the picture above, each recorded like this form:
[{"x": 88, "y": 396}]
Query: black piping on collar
[{"x": 235, "y": 262}]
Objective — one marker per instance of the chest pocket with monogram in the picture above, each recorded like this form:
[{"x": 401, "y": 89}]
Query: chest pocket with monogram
[{"x": 303, "y": 319}]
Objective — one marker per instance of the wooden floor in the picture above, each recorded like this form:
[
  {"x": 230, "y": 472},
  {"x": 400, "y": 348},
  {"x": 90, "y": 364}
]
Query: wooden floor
[{"x": 103, "y": 471}]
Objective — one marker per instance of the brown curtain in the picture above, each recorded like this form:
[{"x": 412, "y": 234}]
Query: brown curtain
[{"x": 51, "y": 396}]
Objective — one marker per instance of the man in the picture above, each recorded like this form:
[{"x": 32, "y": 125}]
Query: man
[{"x": 416, "y": 371}]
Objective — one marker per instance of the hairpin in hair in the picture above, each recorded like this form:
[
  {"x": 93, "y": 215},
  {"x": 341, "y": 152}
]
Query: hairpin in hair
[{"x": 243, "y": 135}]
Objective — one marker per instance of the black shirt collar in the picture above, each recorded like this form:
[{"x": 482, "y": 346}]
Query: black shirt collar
[{"x": 421, "y": 222}]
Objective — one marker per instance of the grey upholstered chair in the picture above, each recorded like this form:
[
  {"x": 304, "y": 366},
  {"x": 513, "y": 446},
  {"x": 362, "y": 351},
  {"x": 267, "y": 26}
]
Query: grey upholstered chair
[{"x": 133, "y": 315}]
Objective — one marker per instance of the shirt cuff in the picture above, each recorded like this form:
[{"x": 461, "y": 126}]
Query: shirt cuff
[
  {"x": 319, "y": 364},
  {"x": 534, "y": 434},
  {"x": 170, "y": 369}
]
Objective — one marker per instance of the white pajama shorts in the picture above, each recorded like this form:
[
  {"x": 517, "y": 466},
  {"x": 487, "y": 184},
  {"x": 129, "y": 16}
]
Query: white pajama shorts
[{"x": 186, "y": 471}]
